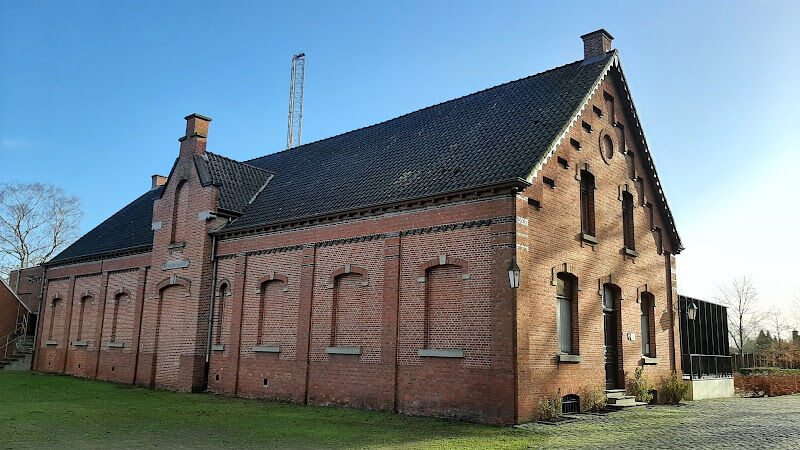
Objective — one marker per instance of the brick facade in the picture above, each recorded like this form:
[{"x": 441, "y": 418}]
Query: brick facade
[{"x": 408, "y": 309}]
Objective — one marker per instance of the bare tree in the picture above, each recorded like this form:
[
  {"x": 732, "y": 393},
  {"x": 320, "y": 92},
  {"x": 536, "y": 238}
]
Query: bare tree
[
  {"x": 744, "y": 317},
  {"x": 37, "y": 220}
]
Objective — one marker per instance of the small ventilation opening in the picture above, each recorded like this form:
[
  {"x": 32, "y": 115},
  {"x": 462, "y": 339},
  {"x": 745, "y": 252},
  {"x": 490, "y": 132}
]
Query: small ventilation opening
[
  {"x": 535, "y": 203},
  {"x": 597, "y": 111},
  {"x": 570, "y": 404},
  {"x": 586, "y": 127},
  {"x": 549, "y": 182},
  {"x": 79, "y": 366},
  {"x": 266, "y": 382},
  {"x": 112, "y": 368},
  {"x": 564, "y": 163},
  {"x": 575, "y": 143},
  {"x": 216, "y": 377}
]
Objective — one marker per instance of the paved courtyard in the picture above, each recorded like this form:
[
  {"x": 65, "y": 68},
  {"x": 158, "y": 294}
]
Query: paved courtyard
[{"x": 721, "y": 423}]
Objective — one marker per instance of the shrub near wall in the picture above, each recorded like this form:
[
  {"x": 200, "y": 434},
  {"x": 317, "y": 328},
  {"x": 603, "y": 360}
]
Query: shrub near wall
[{"x": 767, "y": 381}]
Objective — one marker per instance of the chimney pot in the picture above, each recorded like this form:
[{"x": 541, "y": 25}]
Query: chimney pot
[
  {"x": 158, "y": 180},
  {"x": 596, "y": 43}
]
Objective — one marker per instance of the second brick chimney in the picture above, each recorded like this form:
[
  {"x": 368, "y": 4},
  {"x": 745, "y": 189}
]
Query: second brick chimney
[
  {"x": 196, "y": 134},
  {"x": 158, "y": 180},
  {"x": 596, "y": 43}
]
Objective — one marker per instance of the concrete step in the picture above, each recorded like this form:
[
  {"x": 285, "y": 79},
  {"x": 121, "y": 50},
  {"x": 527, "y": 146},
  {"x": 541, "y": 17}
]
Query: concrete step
[
  {"x": 615, "y": 393},
  {"x": 635, "y": 404},
  {"x": 622, "y": 401}
]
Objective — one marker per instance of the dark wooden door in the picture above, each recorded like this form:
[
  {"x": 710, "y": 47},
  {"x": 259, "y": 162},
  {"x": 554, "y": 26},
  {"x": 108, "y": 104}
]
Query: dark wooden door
[{"x": 610, "y": 344}]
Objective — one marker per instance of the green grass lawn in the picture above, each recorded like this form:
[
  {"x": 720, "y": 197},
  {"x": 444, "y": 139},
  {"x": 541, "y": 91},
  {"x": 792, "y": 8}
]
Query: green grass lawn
[{"x": 38, "y": 410}]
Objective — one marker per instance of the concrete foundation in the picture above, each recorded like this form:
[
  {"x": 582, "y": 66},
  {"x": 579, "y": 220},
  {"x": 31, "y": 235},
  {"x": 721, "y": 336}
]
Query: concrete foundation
[{"x": 710, "y": 388}]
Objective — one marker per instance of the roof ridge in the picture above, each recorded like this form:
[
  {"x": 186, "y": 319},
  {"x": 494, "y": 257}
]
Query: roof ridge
[{"x": 299, "y": 147}]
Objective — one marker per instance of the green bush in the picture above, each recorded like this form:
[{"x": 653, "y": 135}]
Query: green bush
[
  {"x": 673, "y": 390},
  {"x": 549, "y": 407},
  {"x": 639, "y": 386},
  {"x": 593, "y": 398}
]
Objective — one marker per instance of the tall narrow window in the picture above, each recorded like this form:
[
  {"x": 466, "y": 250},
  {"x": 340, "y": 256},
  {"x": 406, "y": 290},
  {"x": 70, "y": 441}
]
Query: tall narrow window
[
  {"x": 223, "y": 292},
  {"x": 115, "y": 315},
  {"x": 587, "y": 203},
  {"x": 627, "y": 220},
  {"x": 179, "y": 212},
  {"x": 608, "y": 100},
  {"x": 647, "y": 319},
  {"x": 567, "y": 313},
  {"x": 80, "y": 316},
  {"x": 56, "y": 302}
]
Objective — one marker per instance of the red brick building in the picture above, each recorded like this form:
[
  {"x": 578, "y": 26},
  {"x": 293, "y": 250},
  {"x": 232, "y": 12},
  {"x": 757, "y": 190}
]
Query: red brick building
[{"x": 370, "y": 269}]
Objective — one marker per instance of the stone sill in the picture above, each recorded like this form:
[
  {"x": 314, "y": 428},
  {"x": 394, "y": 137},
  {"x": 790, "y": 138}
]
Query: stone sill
[
  {"x": 80, "y": 343},
  {"x": 217, "y": 348},
  {"x": 434, "y": 353},
  {"x": 50, "y": 342},
  {"x": 343, "y": 350},
  {"x": 647, "y": 360},
  {"x": 267, "y": 348},
  {"x": 565, "y": 358},
  {"x": 116, "y": 344},
  {"x": 175, "y": 245},
  {"x": 629, "y": 252},
  {"x": 589, "y": 238}
]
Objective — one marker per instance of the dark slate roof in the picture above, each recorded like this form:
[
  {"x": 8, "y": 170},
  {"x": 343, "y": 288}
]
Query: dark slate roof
[
  {"x": 492, "y": 136},
  {"x": 238, "y": 182},
  {"x": 128, "y": 228}
]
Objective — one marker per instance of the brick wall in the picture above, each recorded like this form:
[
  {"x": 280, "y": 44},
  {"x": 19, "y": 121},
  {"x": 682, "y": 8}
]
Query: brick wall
[{"x": 549, "y": 242}]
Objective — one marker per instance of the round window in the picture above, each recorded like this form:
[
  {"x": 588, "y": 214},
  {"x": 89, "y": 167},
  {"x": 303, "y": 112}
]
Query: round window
[{"x": 608, "y": 147}]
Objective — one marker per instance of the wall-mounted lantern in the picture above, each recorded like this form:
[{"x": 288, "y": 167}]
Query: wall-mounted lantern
[
  {"x": 513, "y": 274},
  {"x": 691, "y": 311}
]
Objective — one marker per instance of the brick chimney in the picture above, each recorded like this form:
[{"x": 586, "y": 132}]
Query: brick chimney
[
  {"x": 596, "y": 43},
  {"x": 196, "y": 134},
  {"x": 158, "y": 180}
]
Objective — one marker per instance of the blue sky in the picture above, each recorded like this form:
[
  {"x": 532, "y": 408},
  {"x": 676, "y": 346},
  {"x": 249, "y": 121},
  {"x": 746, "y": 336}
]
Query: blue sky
[{"x": 94, "y": 95}]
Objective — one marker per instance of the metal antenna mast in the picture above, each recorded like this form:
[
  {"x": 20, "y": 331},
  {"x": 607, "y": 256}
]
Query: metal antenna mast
[{"x": 296, "y": 101}]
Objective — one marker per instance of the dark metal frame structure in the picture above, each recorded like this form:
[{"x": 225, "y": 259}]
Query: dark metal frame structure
[{"x": 704, "y": 340}]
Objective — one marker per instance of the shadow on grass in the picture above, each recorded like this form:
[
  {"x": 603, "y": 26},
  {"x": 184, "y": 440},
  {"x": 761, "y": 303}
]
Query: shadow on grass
[{"x": 47, "y": 410}]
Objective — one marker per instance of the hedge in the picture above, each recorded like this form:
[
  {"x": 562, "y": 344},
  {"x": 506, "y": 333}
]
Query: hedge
[
  {"x": 765, "y": 370},
  {"x": 759, "y": 382}
]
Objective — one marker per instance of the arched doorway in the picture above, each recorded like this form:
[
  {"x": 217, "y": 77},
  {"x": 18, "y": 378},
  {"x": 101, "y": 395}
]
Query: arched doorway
[
  {"x": 172, "y": 337},
  {"x": 611, "y": 333}
]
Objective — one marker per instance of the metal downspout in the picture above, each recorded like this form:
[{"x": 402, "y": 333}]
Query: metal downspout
[{"x": 211, "y": 307}]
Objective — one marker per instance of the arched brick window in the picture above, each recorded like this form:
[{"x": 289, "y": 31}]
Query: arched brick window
[
  {"x": 222, "y": 298},
  {"x": 587, "y": 203},
  {"x": 179, "y": 212},
  {"x": 648, "y": 324},
  {"x": 54, "y": 305},
  {"x": 272, "y": 291},
  {"x": 567, "y": 313},
  {"x": 349, "y": 294},
  {"x": 81, "y": 314},
  {"x": 119, "y": 298},
  {"x": 444, "y": 303}
]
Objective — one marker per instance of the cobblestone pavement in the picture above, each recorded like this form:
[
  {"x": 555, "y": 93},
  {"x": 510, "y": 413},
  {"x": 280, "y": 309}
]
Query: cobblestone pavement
[{"x": 720, "y": 423}]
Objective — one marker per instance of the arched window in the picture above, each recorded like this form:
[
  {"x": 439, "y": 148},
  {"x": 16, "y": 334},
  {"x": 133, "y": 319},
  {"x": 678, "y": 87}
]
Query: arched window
[
  {"x": 567, "y": 313},
  {"x": 81, "y": 313},
  {"x": 349, "y": 297},
  {"x": 179, "y": 212},
  {"x": 443, "y": 307},
  {"x": 119, "y": 298},
  {"x": 608, "y": 147},
  {"x": 648, "y": 324},
  {"x": 587, "y": 203},
  {"x": 54, "y": 305},
  {"x": 627, "y": 220},
  {"x": 220, "y": 307}
]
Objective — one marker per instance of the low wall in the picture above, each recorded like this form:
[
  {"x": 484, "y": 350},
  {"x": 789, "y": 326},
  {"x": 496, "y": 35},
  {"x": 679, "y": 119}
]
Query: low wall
[{"x": 710, "y": 388}]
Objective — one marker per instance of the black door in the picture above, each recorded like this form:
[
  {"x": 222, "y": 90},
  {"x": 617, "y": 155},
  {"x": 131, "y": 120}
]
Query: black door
[
  {"x": 610, "y": 325},
  {"x": 611, "y": 351}
]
